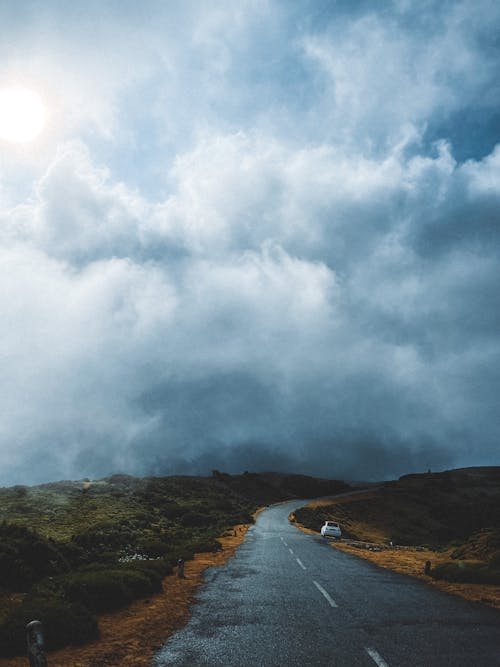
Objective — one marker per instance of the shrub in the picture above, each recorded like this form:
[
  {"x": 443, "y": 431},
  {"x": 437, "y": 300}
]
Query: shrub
[
  {"x": 106, "y": 590},
  {"x": 462, "y": 572},
  {"x": 153, "y": 548},
  {"x": 207, "y": 546},
  {"x": 239, "y": 517},
  {"x": 104, "y": 537},
  {"x": 26, "y": 557},
  {"x": 403, "y": 539},
  {"x": 186, "y": 553},
  {"x": 172, "y": 510},
  {"x": 196, "y": 520},
  {"x": 155, "y": 569},
  {"x": 63, "y": 622},
  {"x": 494, "y": 561}
]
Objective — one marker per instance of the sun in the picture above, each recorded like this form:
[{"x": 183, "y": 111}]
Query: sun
[{"x": 22, "y": 115}]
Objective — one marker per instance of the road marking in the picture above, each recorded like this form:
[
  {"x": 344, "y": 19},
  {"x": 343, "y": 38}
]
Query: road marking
[
  {"x": 290, "y": 550},
  {"x": 300, "y": 563},
  {"x": 377, "y": 659},
  {"x": 331, "y": 602},
  {"x": 285, "y": 543}
]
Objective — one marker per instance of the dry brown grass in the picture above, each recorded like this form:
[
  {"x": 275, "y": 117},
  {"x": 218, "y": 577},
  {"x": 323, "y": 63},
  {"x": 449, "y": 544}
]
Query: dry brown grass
[
  {"x": 130, "y": 637},
  {"x": 343, "y": 498}
]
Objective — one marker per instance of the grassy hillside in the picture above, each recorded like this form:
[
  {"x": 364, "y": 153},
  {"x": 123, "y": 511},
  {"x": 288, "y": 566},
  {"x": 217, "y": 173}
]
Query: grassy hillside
[
  {"x": 457, "y": 511},
  {"x": 71, "y": 550}
]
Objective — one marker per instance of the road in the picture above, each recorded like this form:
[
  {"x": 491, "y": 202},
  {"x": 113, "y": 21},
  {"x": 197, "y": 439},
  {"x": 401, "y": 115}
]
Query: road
[{"x": 288, "y": 599}]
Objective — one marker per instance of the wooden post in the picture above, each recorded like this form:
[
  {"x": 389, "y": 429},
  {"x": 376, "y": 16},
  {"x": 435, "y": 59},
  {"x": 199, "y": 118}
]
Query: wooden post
[
  {"x": 36, "y": 645},
  {"x": 180, "y": 568},
  {"x": 427, "y": 568}
]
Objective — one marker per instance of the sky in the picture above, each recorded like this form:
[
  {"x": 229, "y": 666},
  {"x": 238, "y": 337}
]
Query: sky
[{"x": 253, "y": 235}]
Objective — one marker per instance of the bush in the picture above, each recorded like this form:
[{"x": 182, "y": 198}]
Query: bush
[
  {"x": 105, "y": 537},
  {"x": 196, "y": 520},
  {"x": 462, "y": 572},
  {"x": 494, "y": 561},
  {"x": 207, "y": 546},
  {"x": 172, "y": 510},
  {"x": 237, "y": 518},
  {"x": 155, "y": 569},
  {"x": 26, "y": 557},
  {"x": 106, "y": 590},
  {"x": 63, "y": 622},
  {"x": 153, "y": 547}
]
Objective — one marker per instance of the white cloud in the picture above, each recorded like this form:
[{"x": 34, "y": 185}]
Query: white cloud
[
  {"x": 388, "y": 74},
  {"x": 321, "y": 288}
]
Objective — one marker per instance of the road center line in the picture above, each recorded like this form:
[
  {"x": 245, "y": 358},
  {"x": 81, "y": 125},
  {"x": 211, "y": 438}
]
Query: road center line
[
  {"x": 300, "y": 563},
  {"x": 285, "y": 543},
  {"x": 377, "y": 659},
  {"x": 290, "y": 550},
  {"x": 331, "y": 602}
]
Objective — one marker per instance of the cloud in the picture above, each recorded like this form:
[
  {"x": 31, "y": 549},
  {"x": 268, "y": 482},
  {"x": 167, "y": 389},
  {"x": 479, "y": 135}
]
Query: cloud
[
  {"x": 311, "y": 287},
  {"x": 392, "y": 72}
]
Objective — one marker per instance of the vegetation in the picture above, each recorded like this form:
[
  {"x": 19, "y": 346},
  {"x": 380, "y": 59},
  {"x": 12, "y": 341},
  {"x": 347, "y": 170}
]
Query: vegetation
[
  {"x": 76, "y": 549},
  {"x": 476, "y": 561},
  {"x": 64, "y": 622},
  {"x": 441, "y": 527},
  {"x": 456, "y": 508},
  {"x": 26, "y": 557},
  {"x": 456, "y": 512},
  {"x": 471, "y": 573}
]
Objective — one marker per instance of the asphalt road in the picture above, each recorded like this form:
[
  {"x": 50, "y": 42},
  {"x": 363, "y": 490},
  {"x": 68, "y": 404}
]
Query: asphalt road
[{"x": 288, "y": 599}]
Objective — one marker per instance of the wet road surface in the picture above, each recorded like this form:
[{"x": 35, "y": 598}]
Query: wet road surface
[{"x": 287, "y": 598}]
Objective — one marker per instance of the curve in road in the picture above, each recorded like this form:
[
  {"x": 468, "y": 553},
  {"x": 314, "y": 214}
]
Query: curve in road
[{"x": 287, "y": 598}]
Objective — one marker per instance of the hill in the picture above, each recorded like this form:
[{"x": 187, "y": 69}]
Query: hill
[{"x": 451, "y": 518}]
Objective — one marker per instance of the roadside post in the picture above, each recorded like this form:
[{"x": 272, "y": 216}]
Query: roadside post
[
  {"x": 36, "y": 644},
  {"x": 427, "y": 568},
  {"x": 180, "y": 568}
]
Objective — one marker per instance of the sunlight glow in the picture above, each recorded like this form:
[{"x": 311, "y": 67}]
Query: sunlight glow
[{"x": 22, "y": 115}]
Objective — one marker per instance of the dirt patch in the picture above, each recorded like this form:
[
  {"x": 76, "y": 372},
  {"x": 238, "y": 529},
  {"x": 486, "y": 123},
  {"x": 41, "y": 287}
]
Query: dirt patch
[{"x": 130, "y": 637}]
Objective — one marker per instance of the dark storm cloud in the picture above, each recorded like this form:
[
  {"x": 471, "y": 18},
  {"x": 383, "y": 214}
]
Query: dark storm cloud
[{"x": 312, "y": 287}]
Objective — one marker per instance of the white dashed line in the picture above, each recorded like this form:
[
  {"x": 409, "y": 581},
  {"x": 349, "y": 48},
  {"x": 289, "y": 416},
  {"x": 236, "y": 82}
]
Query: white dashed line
[
  {"x": 377, "y": 659},
  {"x": 290, "y": 550},
  {"x": 331, "y": 602},
  {"x": 300, "y": 563},
  {"x": 285, "y": 543}
]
